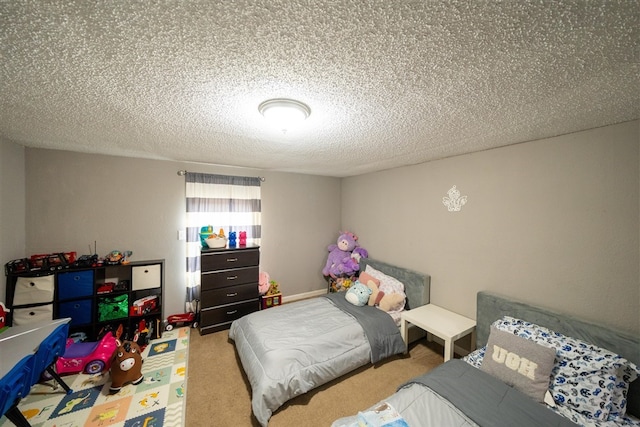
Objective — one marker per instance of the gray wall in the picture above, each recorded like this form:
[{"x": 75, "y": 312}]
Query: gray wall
[
  {"x": 554, "y": 222},
  {"x": 122, "y": 203},
  {"x": 12, "y": 204}
]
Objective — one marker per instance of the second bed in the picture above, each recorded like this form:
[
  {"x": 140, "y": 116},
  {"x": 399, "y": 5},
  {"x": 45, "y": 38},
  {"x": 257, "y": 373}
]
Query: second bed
[{"x": 291, "y": 349}]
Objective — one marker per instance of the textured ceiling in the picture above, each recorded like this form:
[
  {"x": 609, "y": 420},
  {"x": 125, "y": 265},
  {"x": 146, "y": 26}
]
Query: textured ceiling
[{"x": 389, "y": 83}]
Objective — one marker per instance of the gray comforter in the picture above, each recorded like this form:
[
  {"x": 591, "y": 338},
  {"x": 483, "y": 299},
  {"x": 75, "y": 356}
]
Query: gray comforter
[
  {"x": 487, "y": 400},
  {"x": 291, "y": 349},
  {"x": 458, "y": 394}
]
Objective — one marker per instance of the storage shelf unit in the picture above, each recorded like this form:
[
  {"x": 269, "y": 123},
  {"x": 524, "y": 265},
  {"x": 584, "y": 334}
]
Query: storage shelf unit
[
  {"x": 229, "y": 286},
  {"x": 94, "y": 298}
]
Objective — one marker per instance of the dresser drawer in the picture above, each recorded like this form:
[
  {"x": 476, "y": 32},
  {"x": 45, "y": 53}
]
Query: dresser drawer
[
  {"x": 229, "y": 295},
  {"x": 225, "y": 278},
  {"x": 223, "y": 316},
  {"x": 229, "y": 259}
]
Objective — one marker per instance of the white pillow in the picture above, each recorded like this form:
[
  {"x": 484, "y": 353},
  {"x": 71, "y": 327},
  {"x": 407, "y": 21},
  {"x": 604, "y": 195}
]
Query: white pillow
[{"x": 388, "y": 285}]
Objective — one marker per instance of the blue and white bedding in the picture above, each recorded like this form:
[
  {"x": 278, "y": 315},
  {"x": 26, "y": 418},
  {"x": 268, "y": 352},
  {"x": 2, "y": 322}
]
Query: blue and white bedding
[
  {"x": 591, "y": 383},
  {"x": 291, "y": 349}
]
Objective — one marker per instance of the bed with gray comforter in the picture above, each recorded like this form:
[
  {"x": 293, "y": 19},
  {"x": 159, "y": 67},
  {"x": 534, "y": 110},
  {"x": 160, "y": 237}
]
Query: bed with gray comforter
[
  {"x": 291, "y": 349},
  {"x": 457, "y": 393}
]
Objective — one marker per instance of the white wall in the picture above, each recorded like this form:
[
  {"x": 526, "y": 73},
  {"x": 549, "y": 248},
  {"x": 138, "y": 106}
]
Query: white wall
[
  {"x": 12, "y": 205},
  {"x": 122, "y": 203},
  {"x": 553, "y": 222}
]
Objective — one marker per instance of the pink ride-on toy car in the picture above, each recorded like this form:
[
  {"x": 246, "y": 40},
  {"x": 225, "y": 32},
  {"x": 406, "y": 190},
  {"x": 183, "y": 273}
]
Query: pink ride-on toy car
[{"x": 87, "y": 357}]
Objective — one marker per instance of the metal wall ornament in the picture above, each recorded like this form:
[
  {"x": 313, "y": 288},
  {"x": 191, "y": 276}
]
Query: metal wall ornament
[{"x": 455, "y": 201}]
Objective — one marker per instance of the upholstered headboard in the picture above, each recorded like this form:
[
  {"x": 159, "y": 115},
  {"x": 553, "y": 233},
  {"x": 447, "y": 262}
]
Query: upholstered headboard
[
  {"x": 491, "y": 307},
  {"x": 417, "y": 285}
]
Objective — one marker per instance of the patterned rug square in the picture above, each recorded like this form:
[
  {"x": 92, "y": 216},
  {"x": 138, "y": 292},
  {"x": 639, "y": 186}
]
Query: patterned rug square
[{"x": 157, "y": 401}]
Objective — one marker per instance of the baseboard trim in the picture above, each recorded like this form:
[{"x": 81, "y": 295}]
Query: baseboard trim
[{"x": 305, "y": 295}]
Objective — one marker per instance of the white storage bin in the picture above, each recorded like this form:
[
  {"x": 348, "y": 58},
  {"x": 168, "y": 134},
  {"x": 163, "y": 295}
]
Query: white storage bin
[
  {"x": 33, "y": 290},
  {"x": 28, "y": 315},
  {"x": 145, "y": 277}
]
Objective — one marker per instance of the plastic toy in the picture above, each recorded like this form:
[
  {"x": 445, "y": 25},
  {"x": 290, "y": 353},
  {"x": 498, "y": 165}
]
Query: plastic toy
[
  {"x": 126, "y": 366},
  {"x": 183, "y": 319},
  {"x": 144, "y": 305},
  {"x": 117, "y": 257},
  {"x": 87, "y": 357},
  {"x": 3, "y": 315},
  {"x": 274, "y": 288},
  {"x": 205, "y": 233},
  {"x": 106, "y": 288},
  {"x": 145, "y": 332}
]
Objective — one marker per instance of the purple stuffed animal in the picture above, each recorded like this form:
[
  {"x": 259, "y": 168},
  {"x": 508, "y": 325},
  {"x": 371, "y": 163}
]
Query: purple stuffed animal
[{"x": 344, "y": 256}]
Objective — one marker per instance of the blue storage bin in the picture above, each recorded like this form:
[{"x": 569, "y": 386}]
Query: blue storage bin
[
  {"x": 79, "y": 311},
  {"x": 75, "y": 284}
]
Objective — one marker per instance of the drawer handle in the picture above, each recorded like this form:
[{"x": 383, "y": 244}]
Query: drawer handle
[
  {"x": 232, "y": 277},
  {"x": 32, "y": 284},
  {"x": 232, "y": 259},
  {"x": 235, "y": 294},
  {"x": 232, "y": 312}
]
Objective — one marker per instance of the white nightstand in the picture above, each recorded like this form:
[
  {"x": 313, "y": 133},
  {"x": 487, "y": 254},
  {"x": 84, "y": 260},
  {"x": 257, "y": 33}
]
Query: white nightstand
[{"x": 440, "y": 322}]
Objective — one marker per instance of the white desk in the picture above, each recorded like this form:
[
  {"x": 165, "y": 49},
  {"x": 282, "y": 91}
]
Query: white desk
[
  {"x": 25, "y": 352},
  {"x": 440, "y": 322}
]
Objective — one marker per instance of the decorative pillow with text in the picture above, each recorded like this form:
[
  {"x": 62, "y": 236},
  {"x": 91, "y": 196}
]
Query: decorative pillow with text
[{"x": 519, "y": 362}]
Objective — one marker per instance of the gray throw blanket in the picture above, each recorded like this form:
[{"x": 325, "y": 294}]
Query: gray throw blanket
[
  {"x": 381, "y": 331},
  {"x": 485, "y": 399}
]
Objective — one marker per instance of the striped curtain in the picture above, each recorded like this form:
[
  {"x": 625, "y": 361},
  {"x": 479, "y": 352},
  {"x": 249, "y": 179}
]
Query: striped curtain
[{"x": 228, "y": 202}]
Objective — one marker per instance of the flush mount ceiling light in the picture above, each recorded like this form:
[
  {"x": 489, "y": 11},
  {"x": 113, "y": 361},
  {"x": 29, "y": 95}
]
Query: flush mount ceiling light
[{"x": 284, "y": 113}]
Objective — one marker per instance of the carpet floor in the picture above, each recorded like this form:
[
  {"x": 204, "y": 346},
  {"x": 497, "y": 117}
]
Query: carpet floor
[
  {"x": 220, "y": 394},
  {"x": 157, "y": 401}
]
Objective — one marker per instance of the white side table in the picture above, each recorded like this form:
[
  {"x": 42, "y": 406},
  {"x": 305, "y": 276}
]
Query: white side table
[{"x": 440, "y": 322}]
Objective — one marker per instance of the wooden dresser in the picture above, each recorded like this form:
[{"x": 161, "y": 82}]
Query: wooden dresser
[{"x": 229, "y": 286}]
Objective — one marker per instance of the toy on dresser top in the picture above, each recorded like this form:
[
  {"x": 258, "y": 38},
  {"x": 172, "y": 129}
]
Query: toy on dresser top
[{"x": 209, "y": 239}]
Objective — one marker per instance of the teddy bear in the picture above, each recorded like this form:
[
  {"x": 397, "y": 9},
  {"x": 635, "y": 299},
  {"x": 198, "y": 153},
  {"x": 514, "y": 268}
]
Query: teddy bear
[
  {"x": 344, "y": 256},
  {"x": 382, "y": 300},
  {"x": 358, "y": 294},
  {"x": 263, "y": 282}
]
